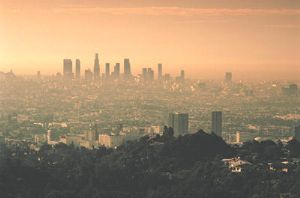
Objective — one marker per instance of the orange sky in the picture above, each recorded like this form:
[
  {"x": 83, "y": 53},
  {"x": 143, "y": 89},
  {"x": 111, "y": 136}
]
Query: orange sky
[{"x": 203, "y": 37}]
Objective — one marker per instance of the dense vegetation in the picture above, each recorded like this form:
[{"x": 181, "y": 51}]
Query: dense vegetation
[{"x": 189, "y": 166}]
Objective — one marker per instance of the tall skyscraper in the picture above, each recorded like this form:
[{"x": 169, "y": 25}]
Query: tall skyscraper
[
  {"x": 228, "y": 77},
  {"x": 144, "y": 73},
  {"x": 297, "y": 133},
  {"x": 117, "y": 70},
  {"x": 216, "y": 126},
  {"x": 107, "y": 70},
  {"x": 96, "y": 67},
  {"x": 77, "y": 68},
  {"x": 150, "y": 74},
  {"x": 179, "y": 122},
  {"x": 127, "y": 69},
  {"x": 159, "y": 71},
  {"x": 182, "y": 74},
  {"x": 67, "y": 68}
]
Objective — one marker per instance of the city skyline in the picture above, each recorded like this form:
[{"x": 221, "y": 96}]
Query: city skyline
[
  {"x": 138, "y": 70},
  {"x": 204, "y": 37}
]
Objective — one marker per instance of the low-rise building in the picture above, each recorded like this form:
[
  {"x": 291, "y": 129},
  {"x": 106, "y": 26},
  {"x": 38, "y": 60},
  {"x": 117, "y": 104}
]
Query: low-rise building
[
  {"x": 236, "y": 164},
  {"x": 111, "y": 141}
]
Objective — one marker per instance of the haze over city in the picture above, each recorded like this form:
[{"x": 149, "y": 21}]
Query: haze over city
[
  {"x": 149, "y": 98},
  {"x": 206, "y": 38}
]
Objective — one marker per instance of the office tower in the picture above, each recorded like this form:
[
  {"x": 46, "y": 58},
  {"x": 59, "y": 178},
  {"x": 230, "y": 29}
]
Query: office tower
[
  {"x": 77, "y": 68},
  {"x": 127, "y": 69},
  {"x": 179, "y": 122},
  {"x": 96, "y": 67},
  {"x": 148, "y": 74},
  {"x": 297, "y": 133},
  {"x": 182, "y": 74},
  {"x": 67, "y": 69},
  {"x": 228, "y": 77},
  {"x": 88, "y": 74},
  {"x": 107, "y": 70},
  {"x": 159, "y": 71},
  {"x": 117, "y": 70},
  {"x": 144, "y": 73},
  {"x": 217, "y": 123}
]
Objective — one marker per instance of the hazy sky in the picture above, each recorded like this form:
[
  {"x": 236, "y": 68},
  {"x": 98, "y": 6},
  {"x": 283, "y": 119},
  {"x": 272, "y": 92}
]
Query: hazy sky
[{"x": 202, "y": 36}]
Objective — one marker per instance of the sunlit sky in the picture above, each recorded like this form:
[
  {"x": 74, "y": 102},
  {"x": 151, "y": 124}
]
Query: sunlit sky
[{"x": 204, "y": 37}]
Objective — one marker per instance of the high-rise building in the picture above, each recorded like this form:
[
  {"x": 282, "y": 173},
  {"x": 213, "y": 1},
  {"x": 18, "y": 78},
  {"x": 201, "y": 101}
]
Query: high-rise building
[
  {"x": 182, "y": 74},
  {"x": 159, "y": 71},
  {"x": 179, "y": 122},
  {"x": 96, "y": 67},
  {"x": 217, "y": 123},
  {"x": 144, "y": 73},
  {"x": 116, "y": 73},
  {"x": 77, "y": 68},
  {"x": 148, "y": 74},
  {"x": 228, "y": 77},
  {"x": 107, "y": 70},
  {"x": 67, "y": 69},
  {"x": 297, "y": 133},
  {"x": 127, "y": 69},
  {"x": 88, "y": 74}
]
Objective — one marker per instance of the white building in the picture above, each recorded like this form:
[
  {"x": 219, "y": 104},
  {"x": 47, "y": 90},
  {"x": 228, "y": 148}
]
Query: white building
[{"x": 235, "y": 164}]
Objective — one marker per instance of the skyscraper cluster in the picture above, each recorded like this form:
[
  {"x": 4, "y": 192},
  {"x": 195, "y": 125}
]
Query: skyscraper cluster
[
  {"x": 96, "y": 73},
  {"x": 147, "y": 74},
  {"x": 179, "y": 122},
  {"x": 116, "y": 72}
]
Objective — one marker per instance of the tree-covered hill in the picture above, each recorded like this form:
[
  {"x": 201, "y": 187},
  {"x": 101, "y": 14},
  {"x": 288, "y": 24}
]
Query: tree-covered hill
[{"x": 152, "y": 167}]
